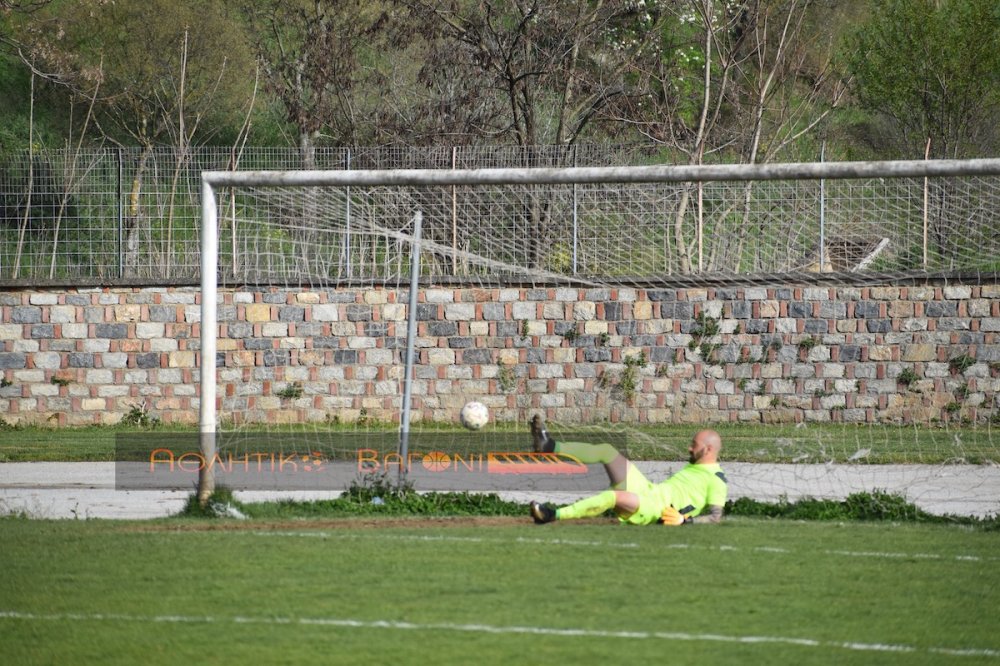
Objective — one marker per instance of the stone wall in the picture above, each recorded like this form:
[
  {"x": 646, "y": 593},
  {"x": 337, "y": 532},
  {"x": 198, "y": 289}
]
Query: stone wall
[{"x": 751, "y": 354}]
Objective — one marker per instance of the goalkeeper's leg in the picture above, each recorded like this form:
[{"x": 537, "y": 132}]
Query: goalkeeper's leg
[
  {"x": 623, "y": 502},
  {"x": 621, "y": 472}
]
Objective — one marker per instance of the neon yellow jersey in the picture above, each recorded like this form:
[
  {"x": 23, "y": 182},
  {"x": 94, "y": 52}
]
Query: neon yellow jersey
[{"x": 694, "y": 487}]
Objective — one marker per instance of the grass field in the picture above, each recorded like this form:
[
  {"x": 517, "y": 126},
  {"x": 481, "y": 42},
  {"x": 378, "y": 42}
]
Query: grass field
[{"x": 495, "y": 591}]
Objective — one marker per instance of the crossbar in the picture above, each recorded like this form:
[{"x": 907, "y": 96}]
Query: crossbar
[{"x": 633, "y": 174}]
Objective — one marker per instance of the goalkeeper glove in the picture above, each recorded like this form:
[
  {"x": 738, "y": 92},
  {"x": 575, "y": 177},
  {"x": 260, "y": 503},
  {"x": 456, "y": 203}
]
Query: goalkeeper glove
[{"x": 672, "y": 516}]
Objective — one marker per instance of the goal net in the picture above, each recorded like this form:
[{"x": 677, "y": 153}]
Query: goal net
[{"x": 837, "y": 323}]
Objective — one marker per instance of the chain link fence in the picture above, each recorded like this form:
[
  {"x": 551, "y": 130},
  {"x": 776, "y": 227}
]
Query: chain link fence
[{"x": 133, "y": 214}]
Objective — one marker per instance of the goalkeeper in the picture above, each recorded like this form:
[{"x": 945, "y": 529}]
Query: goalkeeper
[{"x": 695, "y": 494}]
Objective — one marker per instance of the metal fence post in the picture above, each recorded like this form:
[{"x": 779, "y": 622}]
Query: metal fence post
[
  {"x": 454, "y": 215},
  {"x": 347, "y": 223},
  {"x": 822, "y": 214},
  {"x": 121, "y": 212},
  {"x": 576, "y": 220}
]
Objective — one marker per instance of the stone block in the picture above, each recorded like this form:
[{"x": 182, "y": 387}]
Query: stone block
[
  {"x": 274, "y": 329},
  {"x": 441, "y": 357},
  {"x": 148, "y": 330},
  {"x": 427, "y": 311},
  {"x": 884, "y": 293},
  {"x": 769, "y": 309},
  {"x": 13, "y": 360},
  {"x": 799, "y": 309},
  {"x": 712, "y": 309},
  {"x": 62, "y": 314},
  {"x": 26, "y": 314},
  {"x": 163, "y": 313},
  {"x": 460, "y": 311},
  {"x": 676, "y": 310},
  {"x": 866, "y": 309},
  {"x": 80, "y": 360},
  {"x": 111, "y": 331},
  {"x": 256, "y": 312},
  {"x": 180, "y": 359},
  {"x": 941, "y": 309},
  {"x": 439, "y": 295},
  {"x": 327, "y": 312},
  {"x": 93, "y": 404},
  {"x": 43, "y": 299},
  {"x": 127, "y": 313},
  {"x": 359, "y": 312},
  {"x": 114, "y": 360},
  {"x": 291, "y": 313},
  {"x": 163, "y": 345}
]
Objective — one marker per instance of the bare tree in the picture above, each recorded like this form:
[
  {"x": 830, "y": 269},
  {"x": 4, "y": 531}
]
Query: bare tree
[
  {"x": 159, "y": 67},
  {"x": 310, "y": 54},
  {"x": 546, "y": 67},
  {"x": 541, "y": 71},
  {"x": 727, "y": 79}
]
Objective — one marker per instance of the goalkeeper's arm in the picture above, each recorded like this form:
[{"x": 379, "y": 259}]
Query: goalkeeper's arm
[
  {"x": 672, "y": 516},
  {"x": 713, "y": 514}
]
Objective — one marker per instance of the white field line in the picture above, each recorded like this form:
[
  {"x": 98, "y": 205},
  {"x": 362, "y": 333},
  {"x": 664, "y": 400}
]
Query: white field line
[
  {"x": 493, "y": 629},
  {"x": 612, "y": 544},
  {"x": 420, "y": 537}
]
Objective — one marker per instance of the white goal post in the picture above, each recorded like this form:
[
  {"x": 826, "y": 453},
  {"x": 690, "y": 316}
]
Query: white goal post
[{"x": 214, "y": 181}]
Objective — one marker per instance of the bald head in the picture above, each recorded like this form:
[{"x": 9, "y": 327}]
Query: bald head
[{"x": 705, "y": 447}]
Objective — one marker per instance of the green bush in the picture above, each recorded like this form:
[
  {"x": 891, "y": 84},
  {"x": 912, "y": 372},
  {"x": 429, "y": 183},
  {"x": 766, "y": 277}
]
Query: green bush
[{"x": 873, "y": 506}]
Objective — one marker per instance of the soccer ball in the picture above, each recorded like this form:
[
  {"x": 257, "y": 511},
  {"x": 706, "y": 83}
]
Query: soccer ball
[{"x": 474, "y": 415}]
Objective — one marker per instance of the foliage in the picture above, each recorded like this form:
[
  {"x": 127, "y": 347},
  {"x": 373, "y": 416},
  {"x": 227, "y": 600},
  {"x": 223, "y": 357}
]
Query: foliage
[
  {"x": 318, "y": 64},
  {"x": 961, "y": 363},
  {"x": 873, "y": 506},
  {"x": 216, "y": 507},
  {"x": 381, "y": 495},
  {"x": 807, "y": 344},
  {"x": 629, "y": 384},
  {"x": 138, "y": 417},
  {"x": 544, "y": 70},
  {"x": 383, "y": 498},
  {"x": 704, "y": 330},
  {"x": 290, "y": 391},
  {"x": 931, "y": 69},
  {"x": 748, "y": 82},
  {"x": 907, "y": 377},
  {"x": 146, "y": 63},
  {"x": 506, "y": 378}
]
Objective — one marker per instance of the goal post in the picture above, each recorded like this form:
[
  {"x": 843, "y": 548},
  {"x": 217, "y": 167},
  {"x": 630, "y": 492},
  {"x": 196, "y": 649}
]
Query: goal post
[
  {"x": 637, "y": 235},
  {"x": 207, "y": 424}
]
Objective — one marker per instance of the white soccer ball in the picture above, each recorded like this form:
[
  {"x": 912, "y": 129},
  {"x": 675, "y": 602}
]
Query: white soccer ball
[{"x": 474, "y": 415}]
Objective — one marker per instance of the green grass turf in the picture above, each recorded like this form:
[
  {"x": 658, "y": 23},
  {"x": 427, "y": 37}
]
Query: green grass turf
[
  {"x": 172, "y": 591},
  {"x": 808, "y": 443}
]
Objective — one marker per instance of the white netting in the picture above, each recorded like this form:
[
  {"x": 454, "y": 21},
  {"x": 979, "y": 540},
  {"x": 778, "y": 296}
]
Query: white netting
[
  {"x": 614, "y": 232},
  {"x": 844, "y": 322}
]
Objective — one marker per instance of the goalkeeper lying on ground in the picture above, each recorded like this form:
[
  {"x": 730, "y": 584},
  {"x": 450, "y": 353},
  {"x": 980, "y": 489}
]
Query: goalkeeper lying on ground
[{"x": 695, "y": 494}]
